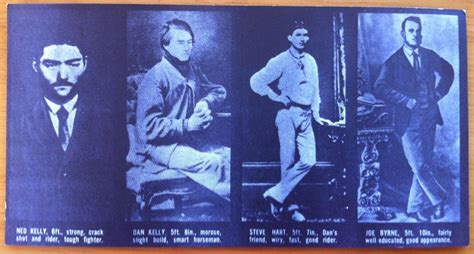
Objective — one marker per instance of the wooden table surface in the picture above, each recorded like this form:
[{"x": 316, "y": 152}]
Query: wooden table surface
[{"x": 451, "y": 4}]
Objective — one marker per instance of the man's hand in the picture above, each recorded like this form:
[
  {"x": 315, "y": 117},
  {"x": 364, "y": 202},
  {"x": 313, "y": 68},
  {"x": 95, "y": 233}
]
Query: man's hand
[
  {"x": 279, "y": 98},
  {"x": 201, "y": 118},
  {"x": 199, "y": 122},
  {"x": 411, "y": 104},
  {"x": 201, "y": 106},
  {"x": 323, "y": 121}
]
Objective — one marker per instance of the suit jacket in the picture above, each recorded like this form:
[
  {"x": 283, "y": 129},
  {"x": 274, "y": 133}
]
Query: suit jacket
[
  {"x": 398, "y": 82},
  {"x": 79, "y": 184}
]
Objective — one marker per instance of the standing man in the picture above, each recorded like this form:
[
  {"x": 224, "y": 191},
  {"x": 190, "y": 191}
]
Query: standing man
[
  {"x": 175, "y": 102},
  {"x": 408, "y": 81},
  {"x": 66, "y": 171},
  {"x": 297, "y": 74}
]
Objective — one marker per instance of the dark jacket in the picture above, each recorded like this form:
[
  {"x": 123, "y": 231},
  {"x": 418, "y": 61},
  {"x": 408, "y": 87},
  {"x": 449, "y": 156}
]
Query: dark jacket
[
  {"x": 78, "y": 185},
  {"x": 398, "y": 82}
]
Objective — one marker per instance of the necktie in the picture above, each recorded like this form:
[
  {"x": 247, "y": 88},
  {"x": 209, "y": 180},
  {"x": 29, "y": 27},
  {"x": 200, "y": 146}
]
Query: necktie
[
  {"x": 416, "y": 62},
  {"x": 63, "y": 130}
]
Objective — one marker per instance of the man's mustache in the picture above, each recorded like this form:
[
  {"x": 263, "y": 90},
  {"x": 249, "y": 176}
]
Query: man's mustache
[{"x": 62, "y": 83}]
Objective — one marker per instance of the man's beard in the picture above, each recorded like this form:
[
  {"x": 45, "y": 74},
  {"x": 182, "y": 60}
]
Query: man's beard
[{"x": 50, "y": 92}]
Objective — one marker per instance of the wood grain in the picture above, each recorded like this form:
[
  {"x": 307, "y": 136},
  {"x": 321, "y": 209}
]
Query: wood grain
[{"x": 451, "y": 4}]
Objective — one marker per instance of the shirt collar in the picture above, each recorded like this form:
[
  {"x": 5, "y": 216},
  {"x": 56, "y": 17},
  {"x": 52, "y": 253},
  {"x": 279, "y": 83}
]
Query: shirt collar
[
  {"x": 69, "y": 106},
  {"x": 296, "y": 56},
  {"x": 409, "y": 51}
]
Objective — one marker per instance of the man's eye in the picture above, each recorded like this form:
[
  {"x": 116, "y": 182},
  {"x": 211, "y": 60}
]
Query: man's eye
[
  {"x": 49, "y": 65},
  {"x": 74, "y": 64}
]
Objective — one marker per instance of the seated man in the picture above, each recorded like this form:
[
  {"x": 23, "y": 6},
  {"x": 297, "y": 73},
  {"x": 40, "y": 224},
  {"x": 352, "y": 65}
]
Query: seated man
[{"x": 174, "y": 103}]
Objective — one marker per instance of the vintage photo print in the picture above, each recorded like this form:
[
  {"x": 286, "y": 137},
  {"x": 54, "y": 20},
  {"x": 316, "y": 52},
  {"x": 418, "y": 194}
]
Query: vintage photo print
[
  {"x": 408, "y": 118},
  {"x": 178, "y": 115},
  {"x": 236, "y": 126},
  {"x": 294, "y": 117},
  {"x": 64, "y": 117}
]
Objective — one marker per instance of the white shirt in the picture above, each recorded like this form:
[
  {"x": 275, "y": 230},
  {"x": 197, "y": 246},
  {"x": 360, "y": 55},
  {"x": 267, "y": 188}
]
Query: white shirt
[
  {"x": 409, "y": 54},
  {"x": 297, "y": 76},
  {"x": 70, "y": 107}
]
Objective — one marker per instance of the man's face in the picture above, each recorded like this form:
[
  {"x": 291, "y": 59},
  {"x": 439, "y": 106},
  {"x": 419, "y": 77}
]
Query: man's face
[
  {"x": 181, "y": 44},
  {"x": 61, "y": 66},
  {"x": 299, "y": 38},
  {"x": 412, "y": 34}
]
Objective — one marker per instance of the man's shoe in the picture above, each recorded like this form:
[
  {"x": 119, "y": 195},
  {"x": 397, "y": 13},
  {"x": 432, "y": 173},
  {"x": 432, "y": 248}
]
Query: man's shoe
[
  {"x": 276, "y": 212},
  {"x": 297, "y": 216},
  {"x": 276, "y": 209},
  {"x": 292, "y": 207},
  {"x": 438, "y": 212},
  {"x": 421, "y": 216}
]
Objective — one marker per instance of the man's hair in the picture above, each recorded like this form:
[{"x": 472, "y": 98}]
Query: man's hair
[
  {"x": 174, "y": 24},
  {"x": 58, "y": 36},
  {"x": 413, "y": 19},
  {"x": 297, "y": 24}
]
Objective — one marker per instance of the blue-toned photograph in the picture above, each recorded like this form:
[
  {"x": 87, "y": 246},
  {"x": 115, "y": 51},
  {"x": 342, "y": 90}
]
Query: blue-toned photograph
[
  {"x": 63, "y": 111},
  {"x": 178, "y": 118},
  {"x": 236, "y": 126},
  {"x": 294, "y": 117},
  {"x": 408, "y": 118}
]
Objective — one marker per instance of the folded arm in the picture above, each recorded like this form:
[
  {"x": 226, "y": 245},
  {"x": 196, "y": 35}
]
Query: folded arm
[
  {"x": 214, "y": 94},
  {"x": 446, "y": 73},
  {"x": 152, "y": 122},
  {"x": 260, "y": 81}
]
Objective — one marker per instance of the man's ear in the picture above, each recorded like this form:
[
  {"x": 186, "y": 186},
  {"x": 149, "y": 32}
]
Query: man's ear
[
  {"x": 85, "y": 63},
  {"x": 402, "y": 33},
  {"x": 35, "y": 65},
  {"x": 289, "y": 38}
]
